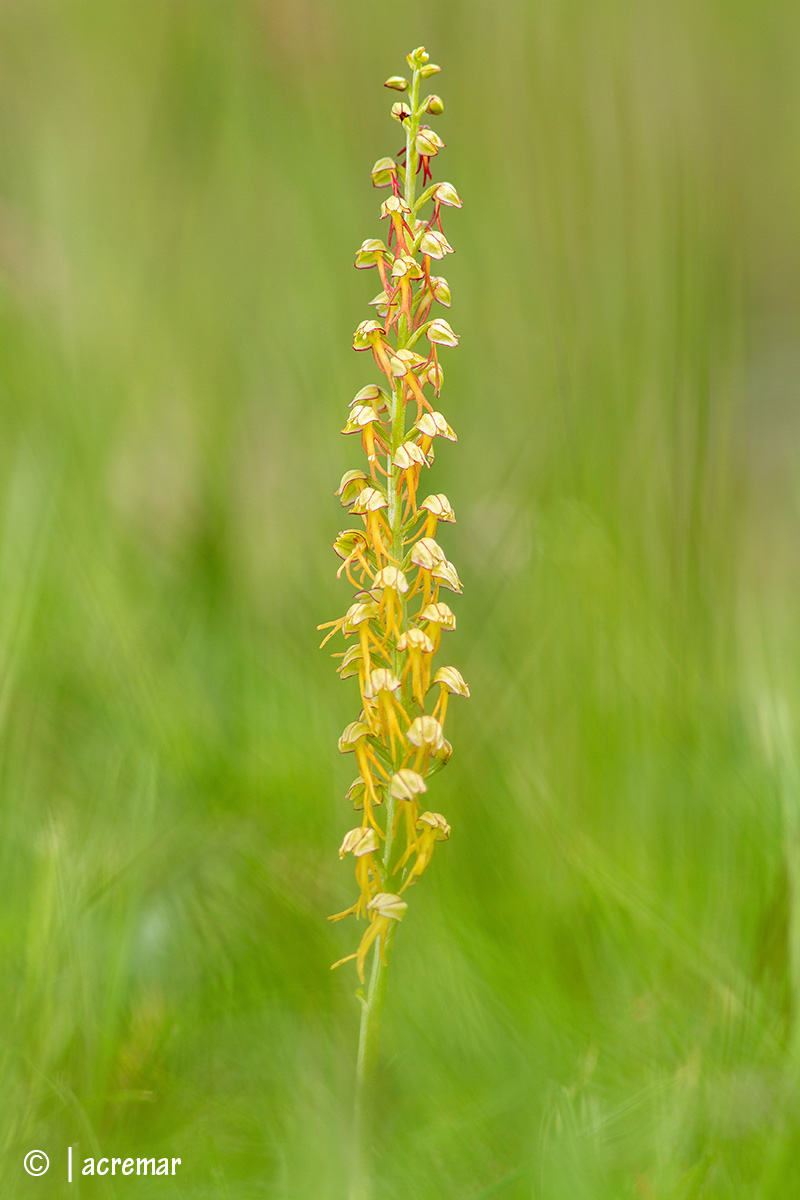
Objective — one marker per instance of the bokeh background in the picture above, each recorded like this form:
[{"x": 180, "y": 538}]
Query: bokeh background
[{"x": 595, "y": 994}]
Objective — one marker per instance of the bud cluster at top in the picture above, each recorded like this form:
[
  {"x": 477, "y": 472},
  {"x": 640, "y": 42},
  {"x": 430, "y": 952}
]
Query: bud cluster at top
[{"x": 391, "y": 553}]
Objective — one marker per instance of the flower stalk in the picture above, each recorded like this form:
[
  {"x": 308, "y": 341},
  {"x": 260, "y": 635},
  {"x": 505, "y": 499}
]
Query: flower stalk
[{"x": 391, "y": 557}]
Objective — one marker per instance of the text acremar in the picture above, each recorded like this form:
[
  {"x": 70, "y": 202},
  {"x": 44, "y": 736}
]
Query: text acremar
[{"x": 120, "y": 1166}]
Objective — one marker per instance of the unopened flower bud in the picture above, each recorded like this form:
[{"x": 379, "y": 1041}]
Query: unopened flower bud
[
  {"x": 439, "y": 331},
  {"x": 400, "y": 111},
  {"x": 358, "y": 842},
  {"x": 441, "y": 290},
  {"x": 430, "y": 69},
  {"x": 418, "y": 58},
  {"x": 434, "y": 376},
  {"x": 406, "y": 784},
  {"x": 442, "y": 754},
  {"x": 433, "y": 105},
  {"x": 397, "y": 83}
]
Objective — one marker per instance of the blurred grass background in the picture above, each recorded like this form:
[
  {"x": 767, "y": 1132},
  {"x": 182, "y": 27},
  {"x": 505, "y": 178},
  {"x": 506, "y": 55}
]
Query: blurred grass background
[{"x": 595, "y": 995}]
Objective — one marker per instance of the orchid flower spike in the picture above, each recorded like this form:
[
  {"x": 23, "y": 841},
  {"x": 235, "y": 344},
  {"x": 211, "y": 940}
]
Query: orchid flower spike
[{"x": 393, "y": 626}]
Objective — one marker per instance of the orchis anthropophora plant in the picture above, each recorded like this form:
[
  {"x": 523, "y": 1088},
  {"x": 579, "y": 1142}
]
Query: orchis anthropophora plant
[{"x": 391, "y": 555}]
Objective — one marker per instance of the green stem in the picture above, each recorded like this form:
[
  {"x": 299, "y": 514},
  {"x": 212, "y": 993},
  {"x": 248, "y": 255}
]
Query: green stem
[{"x": 372, "y": 1002}]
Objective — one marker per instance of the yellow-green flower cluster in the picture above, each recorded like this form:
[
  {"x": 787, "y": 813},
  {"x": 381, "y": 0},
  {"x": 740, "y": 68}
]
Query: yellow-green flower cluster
[{"x": 391, "y": 553}]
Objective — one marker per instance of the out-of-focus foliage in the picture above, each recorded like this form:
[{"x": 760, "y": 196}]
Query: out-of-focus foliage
[{"x": 601, "y": 999}]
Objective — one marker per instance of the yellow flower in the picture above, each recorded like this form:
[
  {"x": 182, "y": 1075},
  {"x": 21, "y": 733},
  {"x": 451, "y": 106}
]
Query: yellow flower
[
  {"x": 383, "y": 908},
  {"x": 431, "y": 828}
]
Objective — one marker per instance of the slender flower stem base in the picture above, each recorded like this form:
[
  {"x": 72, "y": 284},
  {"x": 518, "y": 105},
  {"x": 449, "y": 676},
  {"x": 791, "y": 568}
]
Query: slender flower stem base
[{"x": 368, "y": 1044}]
